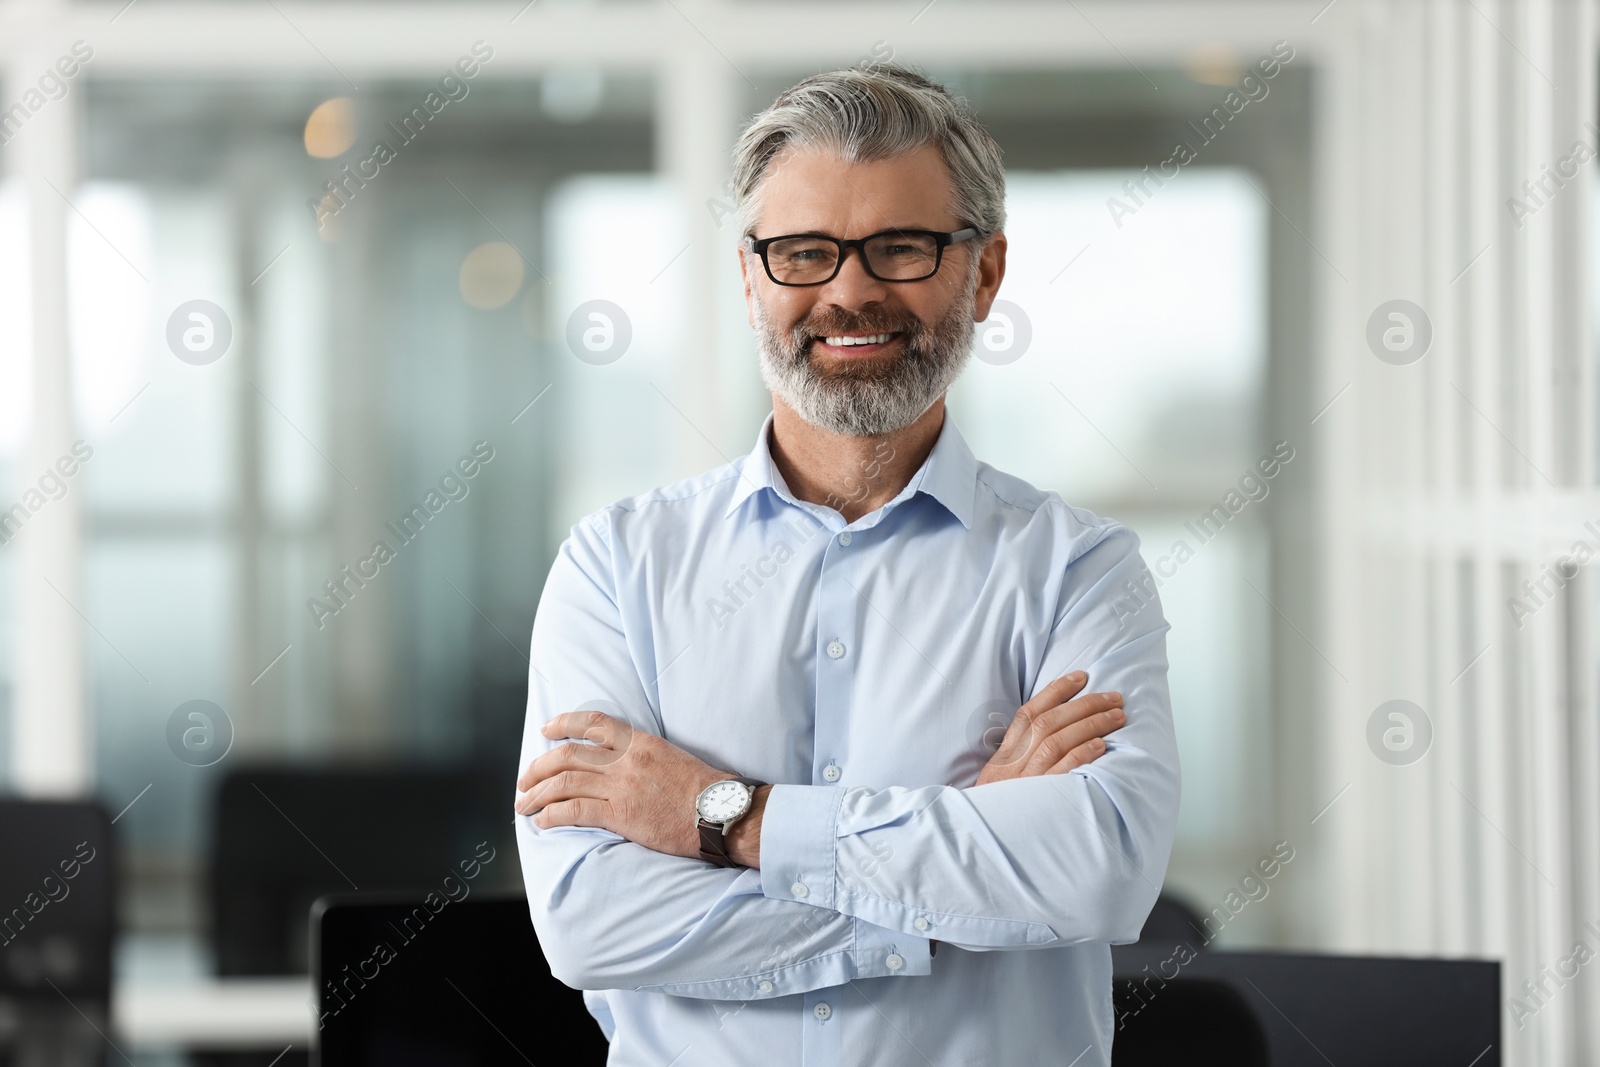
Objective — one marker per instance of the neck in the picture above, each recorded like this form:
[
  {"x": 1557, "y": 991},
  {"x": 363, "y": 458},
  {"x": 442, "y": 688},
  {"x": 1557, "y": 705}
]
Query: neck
[{"x": 852, "y": 475}]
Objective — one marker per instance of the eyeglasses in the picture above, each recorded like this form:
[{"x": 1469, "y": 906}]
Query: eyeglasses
[{"x": 889, "y": 256}]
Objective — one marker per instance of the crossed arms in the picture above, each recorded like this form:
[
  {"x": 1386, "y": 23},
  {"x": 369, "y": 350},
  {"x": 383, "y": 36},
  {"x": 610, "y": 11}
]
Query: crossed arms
[{"x": 852, "y": 882}]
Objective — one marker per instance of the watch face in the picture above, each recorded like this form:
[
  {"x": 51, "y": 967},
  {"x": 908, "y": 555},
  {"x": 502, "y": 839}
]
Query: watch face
[{"x": 723, "y": 800}]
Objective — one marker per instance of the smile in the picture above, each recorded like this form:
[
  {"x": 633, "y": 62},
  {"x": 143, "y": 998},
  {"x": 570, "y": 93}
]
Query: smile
[{"x": 859, "y": 344}]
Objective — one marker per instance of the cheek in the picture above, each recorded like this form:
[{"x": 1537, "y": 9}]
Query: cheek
[
  {"x": 930, "y": 305},
  {"x": 784, "y": 310}
]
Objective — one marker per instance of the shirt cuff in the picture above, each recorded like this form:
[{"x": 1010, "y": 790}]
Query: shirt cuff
[
  {"x": 884, "y": 953},
  {"x": 799, "y": 828}
]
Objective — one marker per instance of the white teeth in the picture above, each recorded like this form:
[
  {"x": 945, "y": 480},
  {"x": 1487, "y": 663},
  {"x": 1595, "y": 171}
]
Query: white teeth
[{"x": 845, "y": 342}]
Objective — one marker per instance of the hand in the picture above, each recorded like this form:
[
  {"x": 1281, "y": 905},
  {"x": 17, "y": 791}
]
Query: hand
[
  {"x": 628, "y": 781},
  {"x": 1054, "y": 733}
]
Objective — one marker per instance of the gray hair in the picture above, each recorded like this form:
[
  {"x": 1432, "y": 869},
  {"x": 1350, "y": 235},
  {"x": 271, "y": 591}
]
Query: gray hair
[{"x": 870, "y": 113}]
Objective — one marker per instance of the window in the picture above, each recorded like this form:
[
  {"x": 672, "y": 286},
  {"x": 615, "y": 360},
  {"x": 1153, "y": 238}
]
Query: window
[{"x": 1140, "y": 396}]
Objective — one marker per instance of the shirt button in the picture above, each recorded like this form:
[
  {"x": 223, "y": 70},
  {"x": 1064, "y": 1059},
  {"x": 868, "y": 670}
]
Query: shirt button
[
  {"x": 835, "y": 649},
  {"x": 844, "y": 538},
  {"x": 921, "y": 924},
  {"x": 894, "y": 961},
  {"x": 799, "y": 889},
  {"x": 831, "y": 772},
  {"x": 822, "y": 1011},
  {"x": 765, "y": 986}
]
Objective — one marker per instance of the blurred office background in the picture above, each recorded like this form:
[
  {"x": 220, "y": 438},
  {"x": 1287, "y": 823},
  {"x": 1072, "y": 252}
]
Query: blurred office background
[{"x": 1164, "y": 340}]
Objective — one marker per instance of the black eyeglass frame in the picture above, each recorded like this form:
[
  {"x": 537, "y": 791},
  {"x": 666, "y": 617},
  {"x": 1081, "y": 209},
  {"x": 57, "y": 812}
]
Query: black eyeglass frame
[{"x": 941, "y": 241}]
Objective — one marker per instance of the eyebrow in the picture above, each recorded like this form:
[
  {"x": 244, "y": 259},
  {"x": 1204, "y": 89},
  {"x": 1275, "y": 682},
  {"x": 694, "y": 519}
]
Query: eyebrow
[{"x": 886, "y": 229}]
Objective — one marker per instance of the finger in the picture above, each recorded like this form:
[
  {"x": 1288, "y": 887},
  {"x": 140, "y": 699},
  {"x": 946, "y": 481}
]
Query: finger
[
  {"x": 1096, "y": 719},
  {"x": 1084, "y": 707},
  {"x": 1016, "y": 742},
  {"x": 1029, "y": 730},
  {"x": 1052, "y": 695},
  {"x": 530, "y": 776},
  {"x": 589, "y": 725},
  {"x": 1021, "y": 733},
  {"x": 595, "y": 726},
  {"x": 583, "y": 811},
  {"x": 563, "y": 757},
  {"x": 1026, "y": 730},
  {"x": 1058, "y": 744},
  {"x": 1085, "y": 753},
  {"x": 546, "y": 765},
  {"x": 563, "y": 785},
  {"x": 1059, "y": 691}
]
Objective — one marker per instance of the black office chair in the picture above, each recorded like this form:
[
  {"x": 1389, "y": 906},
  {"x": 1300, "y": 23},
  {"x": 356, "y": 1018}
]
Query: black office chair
[
  {"x": 1185, "y": 1023},
  {"x": 1172, "y": 921},
  {"x": 58, "y": 889},
  {"x": 284, "y": 836},
  {"x": 1313, "y": 1009}
]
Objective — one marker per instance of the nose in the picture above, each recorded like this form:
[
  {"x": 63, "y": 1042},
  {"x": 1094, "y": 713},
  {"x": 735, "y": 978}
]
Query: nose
[{"x": 853, "y": 286}]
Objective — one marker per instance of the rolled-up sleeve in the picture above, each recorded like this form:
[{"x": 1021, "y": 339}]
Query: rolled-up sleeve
[
  {"x": 1036, "y": 862},
  {"x": 613, "y": 914}
]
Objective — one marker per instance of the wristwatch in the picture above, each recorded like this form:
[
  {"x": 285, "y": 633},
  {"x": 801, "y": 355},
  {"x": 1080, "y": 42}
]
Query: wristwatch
[{"x": 717, "y": 808}]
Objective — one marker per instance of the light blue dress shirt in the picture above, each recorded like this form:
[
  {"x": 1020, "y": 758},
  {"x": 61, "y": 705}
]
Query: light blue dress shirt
[{"x": 868, "y": 669}]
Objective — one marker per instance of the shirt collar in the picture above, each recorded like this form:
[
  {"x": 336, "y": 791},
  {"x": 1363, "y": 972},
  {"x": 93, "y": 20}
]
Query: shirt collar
[{"x": 949, "y": 474}]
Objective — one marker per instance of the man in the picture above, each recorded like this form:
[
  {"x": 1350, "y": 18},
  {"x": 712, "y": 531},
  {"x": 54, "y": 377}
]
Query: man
[{"x": 786, "y": 836}]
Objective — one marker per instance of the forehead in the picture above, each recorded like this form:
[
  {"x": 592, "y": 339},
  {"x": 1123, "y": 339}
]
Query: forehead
[{"x": 813, "y": 188}]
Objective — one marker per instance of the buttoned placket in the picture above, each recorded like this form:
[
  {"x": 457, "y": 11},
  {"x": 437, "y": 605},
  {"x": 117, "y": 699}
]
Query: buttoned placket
[
  {"x": 838, "y": 615},
  {"x": 844, "y": 563},
  {"x": 838, "y": 652},
  {"x": 823, "y": 1028}
]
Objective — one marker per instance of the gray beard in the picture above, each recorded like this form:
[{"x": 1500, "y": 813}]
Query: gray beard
[{"x": 875, "y": 397}]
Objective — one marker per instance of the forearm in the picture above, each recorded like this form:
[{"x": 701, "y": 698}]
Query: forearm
[
  {"x": 611, "y": 914},
  {"x": 1047, "y": 860},
  {"x": 965, "y": 872}
]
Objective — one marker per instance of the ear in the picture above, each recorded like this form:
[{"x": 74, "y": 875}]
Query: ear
[
  {"x": 744, "y": 275},
  {"x": 991, "y": 269}
]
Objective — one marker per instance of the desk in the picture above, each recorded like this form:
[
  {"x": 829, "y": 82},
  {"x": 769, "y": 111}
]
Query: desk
[{"x": 214, "y": 1013}]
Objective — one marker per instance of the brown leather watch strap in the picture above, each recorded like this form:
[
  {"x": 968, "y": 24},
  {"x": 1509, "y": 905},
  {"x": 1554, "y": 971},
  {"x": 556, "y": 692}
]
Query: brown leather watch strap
[{"x": 714, "y": 845}]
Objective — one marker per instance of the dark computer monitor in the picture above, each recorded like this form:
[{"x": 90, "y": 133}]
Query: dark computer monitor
[
  {"x": 401, "y": 980},
  {"x": 1373, "y": 1011},
  {"x": 285, "y": 835}
]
